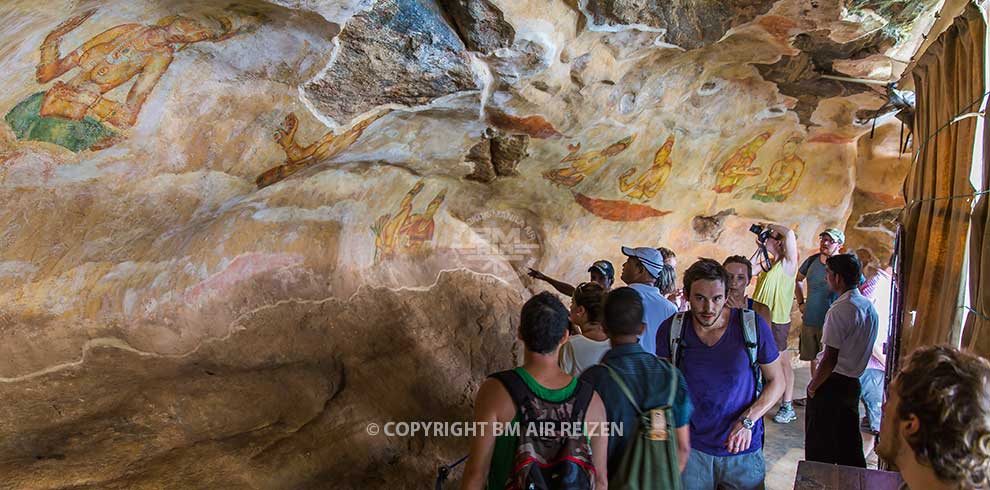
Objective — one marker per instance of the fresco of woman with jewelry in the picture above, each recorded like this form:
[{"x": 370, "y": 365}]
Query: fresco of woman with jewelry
[{"x": 76, "y": 111}]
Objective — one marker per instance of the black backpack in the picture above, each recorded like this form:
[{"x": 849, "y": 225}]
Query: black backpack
[{"x": 545, "y": 460}]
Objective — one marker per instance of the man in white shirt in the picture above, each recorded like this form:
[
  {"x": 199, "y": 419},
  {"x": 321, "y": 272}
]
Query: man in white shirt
[
  {"x": 832, "y": 424},
  {"x": 640, "y": 271}
]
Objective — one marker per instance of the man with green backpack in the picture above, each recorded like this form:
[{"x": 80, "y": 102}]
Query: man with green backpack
[{"x": 647, "y": 396}]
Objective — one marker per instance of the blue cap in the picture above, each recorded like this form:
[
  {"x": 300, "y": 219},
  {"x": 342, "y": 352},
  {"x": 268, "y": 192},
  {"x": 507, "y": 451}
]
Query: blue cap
[{"x": 648, "y": 256}]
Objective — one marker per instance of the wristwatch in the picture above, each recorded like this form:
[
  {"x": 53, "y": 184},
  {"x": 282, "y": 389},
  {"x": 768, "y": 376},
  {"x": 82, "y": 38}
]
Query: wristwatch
[{"x": 748, "y": 423}]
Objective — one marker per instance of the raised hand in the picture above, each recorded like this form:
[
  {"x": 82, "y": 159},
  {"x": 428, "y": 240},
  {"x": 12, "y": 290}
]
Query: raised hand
[
  {"x": 535, "y": 274},
  {"x": 71, "y": 23}
]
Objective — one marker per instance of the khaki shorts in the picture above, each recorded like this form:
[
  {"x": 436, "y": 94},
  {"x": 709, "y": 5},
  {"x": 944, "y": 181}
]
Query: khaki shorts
[
  {"x": 811, "y": 342},
  {"x": 780, "y": 332}
]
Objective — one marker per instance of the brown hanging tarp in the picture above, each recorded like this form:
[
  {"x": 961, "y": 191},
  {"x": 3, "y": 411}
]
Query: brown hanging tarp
[
  {"x": 976, "y": 335},
  {"x": 948, "y": 78}
]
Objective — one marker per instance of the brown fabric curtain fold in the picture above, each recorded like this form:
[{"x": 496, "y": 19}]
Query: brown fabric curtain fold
[
  {"x": 976, "y": 335},
  {"x": 948, "y": 77}
]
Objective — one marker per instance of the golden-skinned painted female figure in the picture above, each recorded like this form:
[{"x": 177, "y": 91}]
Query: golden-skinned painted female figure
[
  {"x": 740, "y": 164},
  {"x": 650, "y": 182},
  {"x": 784, "y": 175},
  {"x": 75, "y": 112},
  {"x": 404, "y": 231},
  {"x": 585, "y": 164},
  {"x": 298, "y": 157}
]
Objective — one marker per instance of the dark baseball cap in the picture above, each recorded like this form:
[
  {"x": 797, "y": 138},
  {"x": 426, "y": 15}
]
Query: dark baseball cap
[{"x": 605, "y": 267}]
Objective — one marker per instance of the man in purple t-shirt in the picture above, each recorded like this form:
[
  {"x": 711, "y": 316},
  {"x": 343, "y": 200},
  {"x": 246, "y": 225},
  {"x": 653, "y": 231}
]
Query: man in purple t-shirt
[{"x": 727, "y": 425}]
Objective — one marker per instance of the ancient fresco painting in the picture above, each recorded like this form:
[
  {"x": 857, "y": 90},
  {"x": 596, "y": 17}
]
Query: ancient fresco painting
[
  {"x": 613, "y": 210},
  {"x": 739, "y": 165},
  {"x": 79, "y": 111},
  {"x": 649, "y": 183},
  {"x": 536, "y": 126},
  {"x": 405, "y": 232},
  {"x": 784, "y": 174},
  {"x": 298, "y": 157},
  {"x": 585, "y": 164}
]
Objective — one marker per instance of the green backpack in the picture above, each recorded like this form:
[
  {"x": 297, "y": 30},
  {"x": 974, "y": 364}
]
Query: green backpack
[{"x": 649, "y": 461}]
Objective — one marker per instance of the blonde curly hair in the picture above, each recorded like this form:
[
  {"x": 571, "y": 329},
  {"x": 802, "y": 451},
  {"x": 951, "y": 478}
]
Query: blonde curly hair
[{"x": 949, "y": 392}]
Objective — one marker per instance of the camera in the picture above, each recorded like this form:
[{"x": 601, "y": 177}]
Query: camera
[{"x": 761, "y": 233}]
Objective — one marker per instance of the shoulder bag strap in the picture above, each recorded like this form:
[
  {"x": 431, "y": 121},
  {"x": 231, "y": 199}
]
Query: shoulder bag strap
[{"x": 622, "y": 386}]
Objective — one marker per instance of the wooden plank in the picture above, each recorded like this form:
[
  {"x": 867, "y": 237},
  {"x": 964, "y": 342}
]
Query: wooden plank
[{"x": 812, "y": 475}]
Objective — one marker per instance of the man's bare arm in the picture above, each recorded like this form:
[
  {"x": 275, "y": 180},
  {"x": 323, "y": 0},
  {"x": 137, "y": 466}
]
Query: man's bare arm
[
  {"x": 763, "y": 311},
  {"x": 773, "y": 389},
  {"x": 740, "y": 438},
  {"x": 561, "y": 287},
  {"x": 878, "y": 348},
  {"x": 824, "y": 370},
  {"x": 799, "y": 288},
  {"x": 52, "y": 65},
  {"x": 790, "y": 242},
  {"x": 599, "y": 441},
  {"x": 683, "y": 446},
  {"x": 482, "y": 446}
]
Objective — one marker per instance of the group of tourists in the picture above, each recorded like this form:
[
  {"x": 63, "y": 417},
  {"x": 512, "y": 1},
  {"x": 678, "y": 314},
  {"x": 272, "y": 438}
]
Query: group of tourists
[{"x": 687, "y": 374}]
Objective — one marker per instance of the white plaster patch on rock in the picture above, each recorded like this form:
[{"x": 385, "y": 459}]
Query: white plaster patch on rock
[
  {"x": 879, "y": 229},
  {"x": 661, "y": 42},
  {"x": 771, "y": 113},
  {"x": 327, "y": 121},
  {"x": 483, "y": 76},
  {"x": 627, "y": 103},
  {"x": 161, "y": 280},
  {"x": 17, "y": 269},
  {"x": 130, "y": 298},
  {"x": 339, "y": 11},
  {"x": 874, "y": 67},
  {"x": 583, "y": 7},
  {"x": 337, "y": 212},
  {"x": 120, "y": 271},
  {"x": 538, "y": 31},
  {"x": 216, "y": 187},
  {"x": 193, "y": 270},
  {"x": 239, "y": 269},
  {"x": 865, "y": 17}
]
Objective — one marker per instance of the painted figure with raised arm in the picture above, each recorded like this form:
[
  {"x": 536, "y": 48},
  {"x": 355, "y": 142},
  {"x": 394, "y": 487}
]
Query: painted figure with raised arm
[{"x": 76, "y": 112}]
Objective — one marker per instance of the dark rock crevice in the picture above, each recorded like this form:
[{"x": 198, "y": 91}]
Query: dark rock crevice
[
  {"x": 480, "y": 25},
  {"x": 496, "y": 155},
  {"x": 688, "y": 24}
]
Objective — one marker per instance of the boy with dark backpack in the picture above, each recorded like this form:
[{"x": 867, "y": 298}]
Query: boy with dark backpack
[
  {"x": 725, "y": 354},
  {"x": 542, "y": 406},
  {"x": 646, "y": 395}
]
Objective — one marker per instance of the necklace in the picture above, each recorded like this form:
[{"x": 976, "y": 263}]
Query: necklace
[{"x": 123, "y": 51}]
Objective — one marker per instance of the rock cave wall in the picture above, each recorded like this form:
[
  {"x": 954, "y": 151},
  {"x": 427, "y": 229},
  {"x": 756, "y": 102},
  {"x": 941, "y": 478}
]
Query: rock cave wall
[{"x": 233, "y": 235}]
